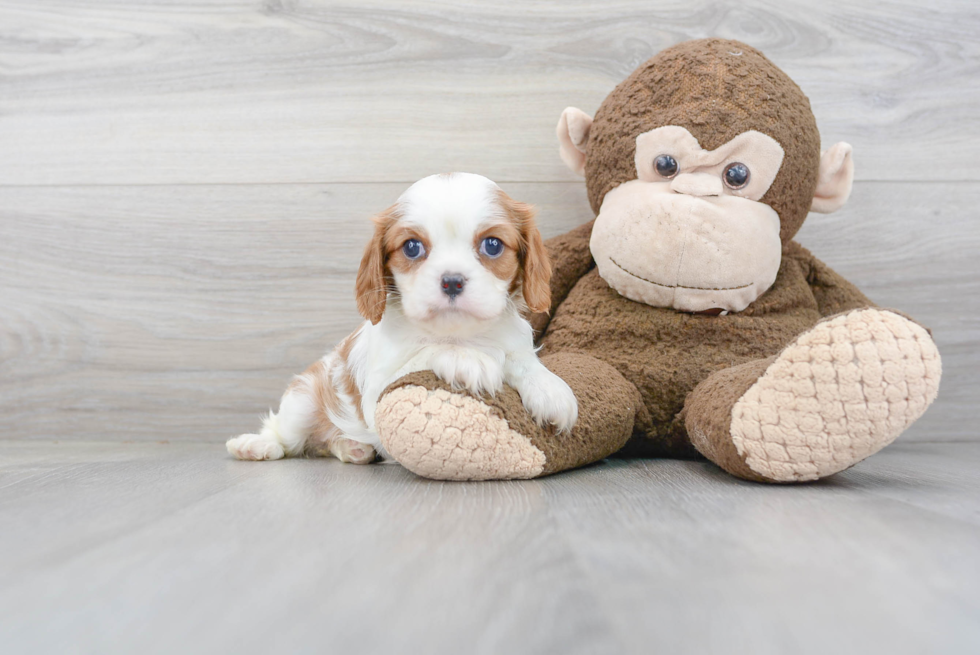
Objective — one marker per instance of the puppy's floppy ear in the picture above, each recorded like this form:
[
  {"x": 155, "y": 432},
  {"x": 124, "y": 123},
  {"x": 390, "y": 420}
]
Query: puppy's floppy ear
[
  {"x": 371, "y": 287},
  {"x": 535, "y": 263}
]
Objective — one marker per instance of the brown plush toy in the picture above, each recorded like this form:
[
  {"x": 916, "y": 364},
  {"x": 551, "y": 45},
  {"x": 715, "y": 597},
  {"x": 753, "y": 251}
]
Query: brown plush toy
[{"x": 684, "y": 317}]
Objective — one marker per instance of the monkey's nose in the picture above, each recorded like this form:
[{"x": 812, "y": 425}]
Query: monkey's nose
[
  {"x": 697, "y": 184},
  {"x": 452, "y": 285}
]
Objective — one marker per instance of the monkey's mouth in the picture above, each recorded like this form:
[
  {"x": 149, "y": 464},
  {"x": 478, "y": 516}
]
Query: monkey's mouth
[{"x": 675, "y": 286}]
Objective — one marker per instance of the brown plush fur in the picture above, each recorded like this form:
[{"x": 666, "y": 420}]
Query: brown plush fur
[
  {"x": 709, "y": 408},
  {"x": 666, "y": 353},
  {"x": 716, "y": 89}
]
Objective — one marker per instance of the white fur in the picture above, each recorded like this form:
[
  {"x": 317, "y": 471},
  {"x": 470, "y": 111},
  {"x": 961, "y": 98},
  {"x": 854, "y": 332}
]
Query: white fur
[{"x": 478, "y": 341}]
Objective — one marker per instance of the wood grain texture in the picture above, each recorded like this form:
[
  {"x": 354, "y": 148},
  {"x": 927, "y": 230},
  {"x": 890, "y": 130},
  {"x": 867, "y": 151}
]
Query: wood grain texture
[
  {"x": 114, "y": 92},
  {"x": 181, "y": 312},
  {"x": 177, "y": 548},
  {"x": 184, "y": 186}
]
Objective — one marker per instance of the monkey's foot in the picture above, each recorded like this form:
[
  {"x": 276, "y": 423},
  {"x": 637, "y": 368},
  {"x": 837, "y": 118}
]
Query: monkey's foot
[
  {"x": 447, "y": 434},
  {"x": 443, "y": 435},
  {"x": 840, "y": 392}
]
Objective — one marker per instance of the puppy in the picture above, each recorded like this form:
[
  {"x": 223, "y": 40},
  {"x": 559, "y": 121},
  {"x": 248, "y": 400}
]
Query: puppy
[{"x": 443, "y": 284}]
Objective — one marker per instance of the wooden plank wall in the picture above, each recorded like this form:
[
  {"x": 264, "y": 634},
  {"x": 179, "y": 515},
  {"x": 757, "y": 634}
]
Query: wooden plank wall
[{"x": 184, "y": 186}]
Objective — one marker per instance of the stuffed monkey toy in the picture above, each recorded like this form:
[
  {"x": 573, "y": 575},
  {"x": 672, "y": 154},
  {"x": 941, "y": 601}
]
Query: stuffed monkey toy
[{"x": 684, "y": 317}]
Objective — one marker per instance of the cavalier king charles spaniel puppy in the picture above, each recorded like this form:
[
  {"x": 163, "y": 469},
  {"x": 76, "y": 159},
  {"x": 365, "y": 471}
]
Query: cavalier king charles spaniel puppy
[{"x": 453, "y": 265}]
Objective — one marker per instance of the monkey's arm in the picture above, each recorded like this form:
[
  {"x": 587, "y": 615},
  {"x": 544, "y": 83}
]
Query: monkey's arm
[
  {"x": 571, "y": 259},
  {"x": 832, "y": 292}
]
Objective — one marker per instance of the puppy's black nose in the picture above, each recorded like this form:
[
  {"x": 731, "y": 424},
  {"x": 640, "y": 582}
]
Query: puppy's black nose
[{"x": 452, "y": 285}]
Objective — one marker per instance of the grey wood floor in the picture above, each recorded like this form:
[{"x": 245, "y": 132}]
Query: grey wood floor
[
  {"x": 184, "y": 191},
  {"x": 172, "y": 548}
]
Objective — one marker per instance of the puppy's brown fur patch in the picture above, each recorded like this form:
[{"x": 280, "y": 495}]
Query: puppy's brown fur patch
[
  {"x": 350, "y": 384},
  {"x": 535, "y": 267},
  {"x": 371, "y": 286},
  {"x": 507, "y": 265},
  {"x": 315, "y": 382},
  {"x": 395, "y": 238}
]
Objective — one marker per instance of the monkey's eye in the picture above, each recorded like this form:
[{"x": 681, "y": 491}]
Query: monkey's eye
[
  {"x": 736, "y": 175},
  {"x": 666, "y": 166},
  {"x": 413, "y": 249},
  {"x": 492, "y": 247}
]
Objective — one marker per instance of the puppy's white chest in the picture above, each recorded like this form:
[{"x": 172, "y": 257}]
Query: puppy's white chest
[{"x": 476, "y": 369}]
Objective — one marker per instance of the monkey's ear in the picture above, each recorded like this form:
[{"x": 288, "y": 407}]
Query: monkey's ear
[
  {"x": 834, "y": 180},
  {"x": 573, "y": 137}
]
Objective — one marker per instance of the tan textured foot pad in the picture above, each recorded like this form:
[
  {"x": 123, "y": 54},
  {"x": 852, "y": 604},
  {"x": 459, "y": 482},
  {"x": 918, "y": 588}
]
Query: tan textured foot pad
[
  {"x": 841, "y": 392},
  {"x": 448, "y": 436}
]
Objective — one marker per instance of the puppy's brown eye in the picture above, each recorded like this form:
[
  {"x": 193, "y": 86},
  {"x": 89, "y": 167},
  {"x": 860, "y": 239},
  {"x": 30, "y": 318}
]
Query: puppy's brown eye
[
  {"x": 666, "y": 166},
  {"x": 736, "y": 175},
  {"x": 492, "y": 247},
  {"x": 413, "y": 249}
]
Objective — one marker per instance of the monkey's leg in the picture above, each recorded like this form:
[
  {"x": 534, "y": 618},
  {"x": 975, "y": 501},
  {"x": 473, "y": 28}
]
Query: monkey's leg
[
  {"x": 443, "y": 434},
  {"x": 840, "y": 392}
]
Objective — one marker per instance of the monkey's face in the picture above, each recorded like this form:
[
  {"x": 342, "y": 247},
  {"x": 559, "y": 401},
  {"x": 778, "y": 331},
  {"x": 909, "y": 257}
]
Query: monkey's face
[
  {"x": 694, "y": 229},
  {"x": 690, "y": 232}
]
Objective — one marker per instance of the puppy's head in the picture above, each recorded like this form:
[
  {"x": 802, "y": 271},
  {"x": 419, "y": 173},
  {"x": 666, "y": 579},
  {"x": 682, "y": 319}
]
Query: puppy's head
[{"x": 457, "y": 251}]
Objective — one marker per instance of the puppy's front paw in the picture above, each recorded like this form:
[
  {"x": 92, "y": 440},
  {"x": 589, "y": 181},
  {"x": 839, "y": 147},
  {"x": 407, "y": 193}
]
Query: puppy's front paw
[
  {"x": 549, "y": 399},
  {"x": 255, "y": 447},
  {"x": 468, "y": 369}
]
